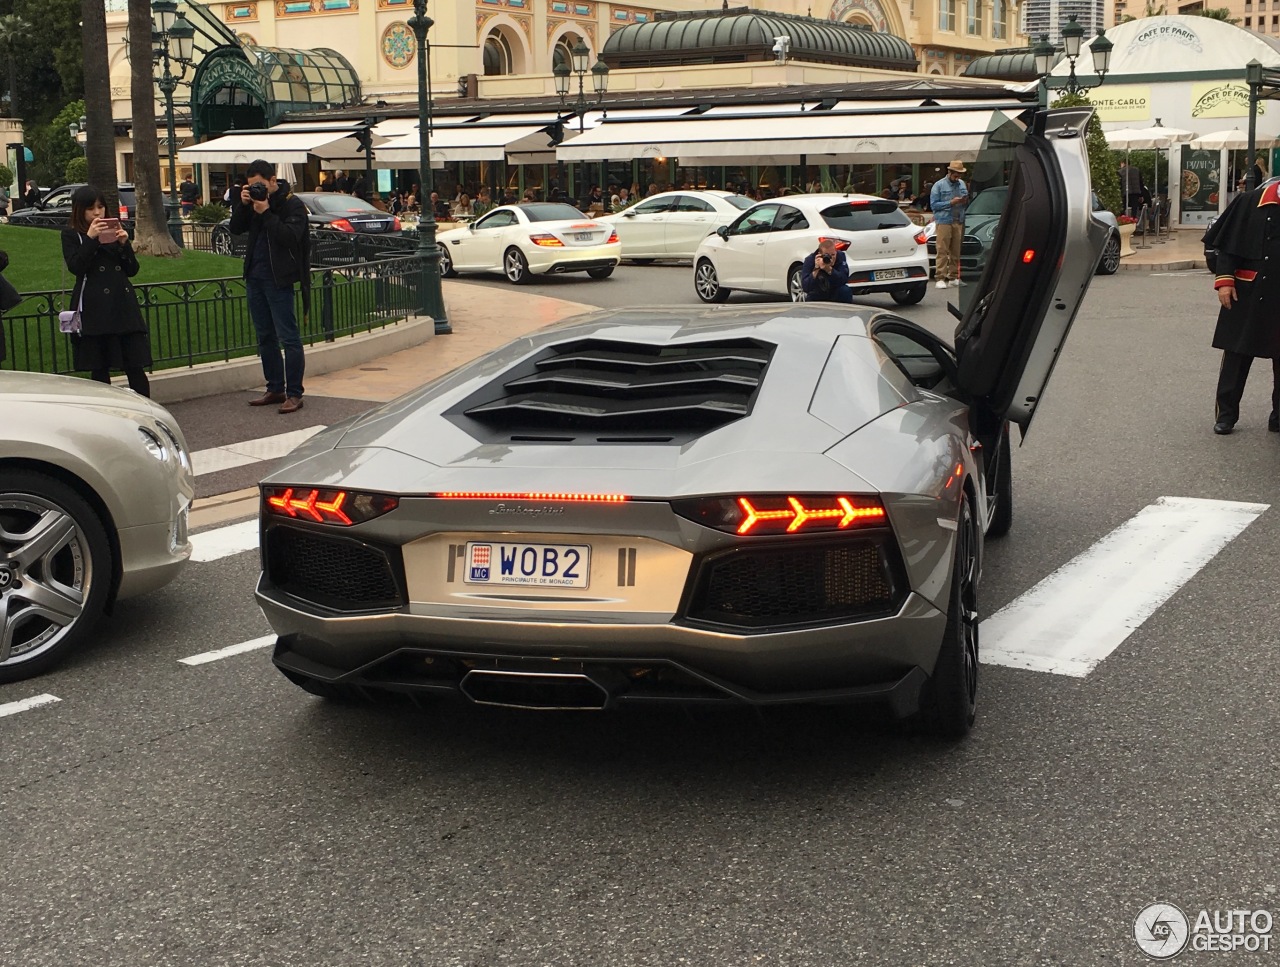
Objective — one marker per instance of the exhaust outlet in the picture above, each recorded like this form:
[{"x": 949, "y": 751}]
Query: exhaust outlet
[{"x": 547, "y": 691}]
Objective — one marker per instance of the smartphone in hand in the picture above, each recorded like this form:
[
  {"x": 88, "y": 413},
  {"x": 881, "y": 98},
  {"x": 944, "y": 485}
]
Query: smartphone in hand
[{"x": 110, "y": 225}]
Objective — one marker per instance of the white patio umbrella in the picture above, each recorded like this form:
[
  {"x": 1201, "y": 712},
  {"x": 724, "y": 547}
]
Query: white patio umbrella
[
  {"x": 1233, "y": 140},
  {"x": 1157, "y": 136}
]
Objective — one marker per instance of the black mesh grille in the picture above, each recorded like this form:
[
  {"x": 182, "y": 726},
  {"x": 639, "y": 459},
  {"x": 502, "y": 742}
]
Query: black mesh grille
[
  {"x": 335, "y": 572},
  {"x": 775, "y": 585},
  {"x": 597, "y": 386}
]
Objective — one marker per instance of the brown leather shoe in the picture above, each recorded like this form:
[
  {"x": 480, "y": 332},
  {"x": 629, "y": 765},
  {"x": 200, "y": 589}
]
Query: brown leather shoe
[
  {"x": 268, "y": 399},
  {"x": 291, "y": 405}
]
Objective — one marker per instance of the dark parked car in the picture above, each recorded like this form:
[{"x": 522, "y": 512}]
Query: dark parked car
[
  {"x": 981, "y": 219},
  {"x": 55, "y": 206},
  {"x": 327, "y": 213}
]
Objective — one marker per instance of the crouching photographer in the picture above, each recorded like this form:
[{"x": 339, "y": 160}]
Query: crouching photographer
[{"x": 825, "y": 275}]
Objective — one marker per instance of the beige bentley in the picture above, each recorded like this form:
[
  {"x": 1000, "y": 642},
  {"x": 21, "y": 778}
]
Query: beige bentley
[{"x": 95, "y": 487}]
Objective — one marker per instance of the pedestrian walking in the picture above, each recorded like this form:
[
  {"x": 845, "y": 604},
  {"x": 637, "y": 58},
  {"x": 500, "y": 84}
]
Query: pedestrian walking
[
  {"x": 112, "y": 333},
  {"x": 1247, "y": 239},
  {"x": 948, "y": 200},
  {"x": 1131, "y": 188},
  {"x": 276, "y": 258},
  {"x": 188, "y": 195}
]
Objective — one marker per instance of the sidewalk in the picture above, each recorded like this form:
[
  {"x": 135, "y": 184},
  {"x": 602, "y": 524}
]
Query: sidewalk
[{"x": 1181, "y": 249}]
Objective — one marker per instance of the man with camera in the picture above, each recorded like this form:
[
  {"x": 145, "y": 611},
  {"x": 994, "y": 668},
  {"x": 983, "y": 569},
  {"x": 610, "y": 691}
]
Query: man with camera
[
  {"x": 277, "y": 257},
  {"x": 825, "y": 274}
]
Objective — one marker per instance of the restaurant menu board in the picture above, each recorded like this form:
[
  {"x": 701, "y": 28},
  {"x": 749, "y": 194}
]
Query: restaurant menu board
[{"x": 1200, "y": 185}]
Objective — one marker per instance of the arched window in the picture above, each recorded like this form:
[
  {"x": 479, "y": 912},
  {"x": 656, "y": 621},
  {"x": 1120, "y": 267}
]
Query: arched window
[
  {"x": 497, "y": 55},
  {"x": 563, "y": 52}
]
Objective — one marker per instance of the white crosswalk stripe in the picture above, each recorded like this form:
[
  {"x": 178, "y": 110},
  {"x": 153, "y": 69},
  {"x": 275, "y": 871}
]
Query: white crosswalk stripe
[
  {"x": 25, "y": 704},
  {"x": 250, "y": 451}
]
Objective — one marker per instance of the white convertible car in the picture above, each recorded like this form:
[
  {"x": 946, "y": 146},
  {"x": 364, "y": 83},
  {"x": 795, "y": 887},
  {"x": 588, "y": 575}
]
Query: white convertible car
[{"x": 521, "y": 241}]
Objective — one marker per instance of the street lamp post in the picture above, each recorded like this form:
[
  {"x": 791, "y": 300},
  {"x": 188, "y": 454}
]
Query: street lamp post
[
  {"x": 80, "y": 133},
  {"x": 1072, "y": 41},
  {"x": 174, "y": 38},
  {"x": 1253, "y": 75},
  {"x": 599, "y": 81},
  {"x": 428, "y": 252}
]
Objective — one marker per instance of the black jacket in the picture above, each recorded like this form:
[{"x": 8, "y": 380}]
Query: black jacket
[
  {"x": 103, "y": 274},
  {"x": 1247, "y": 238},
  {"x": 823, "y": 288},
  {"x": 288, "y": 234}
]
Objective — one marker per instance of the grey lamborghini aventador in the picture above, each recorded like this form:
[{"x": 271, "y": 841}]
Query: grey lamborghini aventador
[{"x": 756, "y": 504}]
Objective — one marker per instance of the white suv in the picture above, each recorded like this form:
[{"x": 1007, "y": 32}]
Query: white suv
[{"x": 763, "y": 249}]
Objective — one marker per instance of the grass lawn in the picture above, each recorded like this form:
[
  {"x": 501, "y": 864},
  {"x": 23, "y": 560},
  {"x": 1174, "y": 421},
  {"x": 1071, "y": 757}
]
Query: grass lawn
[{"x": 35, "y": 262}]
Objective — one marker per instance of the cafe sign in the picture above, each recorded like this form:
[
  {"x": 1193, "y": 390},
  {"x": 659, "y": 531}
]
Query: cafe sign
[
  {"x": 1217, "y": 100},
  {"x": 1122, "y": 102}
]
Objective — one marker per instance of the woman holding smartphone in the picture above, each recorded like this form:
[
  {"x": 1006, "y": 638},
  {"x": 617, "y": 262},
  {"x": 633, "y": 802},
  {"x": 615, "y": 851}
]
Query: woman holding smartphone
[{"x": 113, "y": 334}]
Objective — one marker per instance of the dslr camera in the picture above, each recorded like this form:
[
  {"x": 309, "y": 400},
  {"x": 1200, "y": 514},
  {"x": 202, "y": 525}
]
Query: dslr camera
[{"x": 258, "y": 191}]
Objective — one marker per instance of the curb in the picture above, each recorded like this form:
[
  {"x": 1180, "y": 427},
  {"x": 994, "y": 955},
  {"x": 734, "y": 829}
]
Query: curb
[
  {"x": 1176, "y": 266},
  {"x": 245, "y": 373}
]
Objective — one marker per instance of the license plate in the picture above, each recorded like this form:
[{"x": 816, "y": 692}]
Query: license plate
[
  {"x": 530, "y": 565},
  {"x": 886, "y": 274},
  {"x": 582, "y": 236}
]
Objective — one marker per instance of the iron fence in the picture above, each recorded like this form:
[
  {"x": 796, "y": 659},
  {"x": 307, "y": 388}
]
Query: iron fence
[{"x": 207, "y": 320}]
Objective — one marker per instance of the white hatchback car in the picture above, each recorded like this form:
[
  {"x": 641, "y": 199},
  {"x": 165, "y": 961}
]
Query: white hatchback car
[
  {"x": 540, "y": 238},
  {"x": 763, "y": 249},
  {"x": 673, "y": 224}
]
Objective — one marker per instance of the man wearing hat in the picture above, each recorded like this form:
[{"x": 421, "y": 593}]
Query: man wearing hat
[{"x": 948, "y": 200}]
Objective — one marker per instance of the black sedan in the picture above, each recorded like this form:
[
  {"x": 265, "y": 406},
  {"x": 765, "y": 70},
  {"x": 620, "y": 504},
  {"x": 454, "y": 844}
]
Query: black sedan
[
  {"x": 52, "y": 209},
  {"x": 328, "y": 214}
]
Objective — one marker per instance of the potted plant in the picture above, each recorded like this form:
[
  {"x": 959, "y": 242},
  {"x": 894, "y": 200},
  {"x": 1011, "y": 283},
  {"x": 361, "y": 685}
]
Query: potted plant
[{"x": 1127, "y": 225}]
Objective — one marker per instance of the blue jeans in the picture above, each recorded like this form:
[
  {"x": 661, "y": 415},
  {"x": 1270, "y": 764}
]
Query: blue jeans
[{"x": 271, "y": 309}]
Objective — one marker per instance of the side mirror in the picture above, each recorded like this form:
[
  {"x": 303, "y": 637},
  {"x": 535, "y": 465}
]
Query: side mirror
[
  {"x": 471, "y": 226},
  {"x": 628, "y": 214},
  {"x": 723, "y": 232}
]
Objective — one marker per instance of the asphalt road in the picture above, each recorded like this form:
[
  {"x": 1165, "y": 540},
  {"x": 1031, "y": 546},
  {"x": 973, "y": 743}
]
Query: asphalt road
[{"x": 166, "y": 814}]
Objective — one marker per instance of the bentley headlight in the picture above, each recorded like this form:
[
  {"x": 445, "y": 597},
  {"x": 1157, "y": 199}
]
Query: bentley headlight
[{"x": 155, "y": 446}]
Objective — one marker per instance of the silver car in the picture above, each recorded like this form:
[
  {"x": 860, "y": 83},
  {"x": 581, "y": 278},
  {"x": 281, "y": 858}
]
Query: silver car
[
  {"x": 764, "y": 504},
  {"x": 95, "y": 488}
]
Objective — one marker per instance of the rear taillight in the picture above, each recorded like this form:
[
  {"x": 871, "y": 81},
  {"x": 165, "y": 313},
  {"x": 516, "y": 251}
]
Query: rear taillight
[
  {"x": 784, "y": 514},
  {"x": 341, "y": 507},
  {"x": 341, "y": 225},
  {"x": 124, "y": 211},
  {"x": 613, "y": 238},
  {"x": 532, "y": 495},
  {"x": 547, "y": 241},
  {"x": 841, "y": 244},
  {"x": 395, "y": 224},
  {"x": 922, "y": 238}
]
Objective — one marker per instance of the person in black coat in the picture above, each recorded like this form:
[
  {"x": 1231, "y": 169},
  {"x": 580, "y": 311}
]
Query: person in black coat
[
  {"x": 1247, "y": 281},
  {"x": 113, "y": 334}
]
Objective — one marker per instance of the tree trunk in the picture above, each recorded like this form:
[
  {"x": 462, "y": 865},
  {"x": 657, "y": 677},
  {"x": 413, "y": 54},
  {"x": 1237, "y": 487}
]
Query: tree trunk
[
  {"x": 101, "y": 148},
  {"x": 151, "y": 232}
]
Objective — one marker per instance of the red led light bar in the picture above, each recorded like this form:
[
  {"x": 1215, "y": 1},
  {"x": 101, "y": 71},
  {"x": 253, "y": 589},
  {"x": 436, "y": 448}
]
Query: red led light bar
[
  {"x": 532, "y": 495},
  {"x": 1028, "y": 256},
  {"x": 841, "y": 244},
  {"x": 799, "y": 515},
  {"x": 547, "y": 241}
]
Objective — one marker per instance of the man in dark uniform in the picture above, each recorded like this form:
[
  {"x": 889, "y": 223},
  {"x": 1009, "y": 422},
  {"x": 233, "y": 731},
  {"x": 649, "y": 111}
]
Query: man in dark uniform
[{"x": 1247, "y": 280}]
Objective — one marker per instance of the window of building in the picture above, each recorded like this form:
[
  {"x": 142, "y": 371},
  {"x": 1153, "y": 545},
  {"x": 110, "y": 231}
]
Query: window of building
[
  {"x": 563, "y": 52},
  {"x": 1248, "y": 22},
  {"x": 973, "y": 17},
  {"x": 1275, "y": 22},
  {"x": 1262, "y": 25},
  {"x": 946, "y": 14},
  {"x": 497, "y": 55},
  {"x": 999, "y": 19}
]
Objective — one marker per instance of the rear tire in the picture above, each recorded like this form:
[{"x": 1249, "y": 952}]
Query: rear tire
[
  {"x": 1002, "y": 514},
  {"x": 795, "y": 283},
  {"x": 516, "y": 266},
  {"x": 642, "y": 261},
  {"x": 948, "y": 703},
  {"x": 707, "y": 284},
  {"x": 909, "y": 295},
  {"x": 601, "y": 273},
  {"x": 58, "y": 576},
  {"x": 1110, "y": 263}
]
